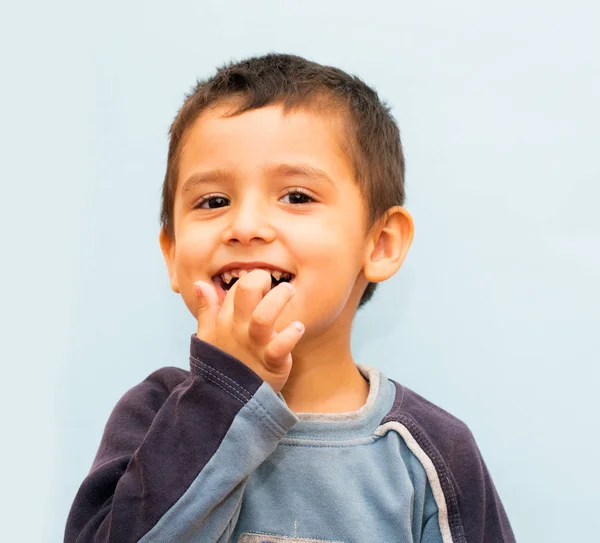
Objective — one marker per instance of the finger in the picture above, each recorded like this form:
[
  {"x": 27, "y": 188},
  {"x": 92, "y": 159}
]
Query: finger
[
  {"x": 260, "y": 327},
  {"x": 227, "y": 309},
  {"x": 250, "y": 289},
  {"x": 278, "y": 350},
  {"x": 208, "y": 307}
]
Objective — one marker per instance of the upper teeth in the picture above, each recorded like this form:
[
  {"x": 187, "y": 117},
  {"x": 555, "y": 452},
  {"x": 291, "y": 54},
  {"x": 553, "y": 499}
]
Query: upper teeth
[{"x": 230, "y": 274}]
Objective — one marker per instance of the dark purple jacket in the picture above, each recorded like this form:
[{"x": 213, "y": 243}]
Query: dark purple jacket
[{"x": 179, "y": 448}]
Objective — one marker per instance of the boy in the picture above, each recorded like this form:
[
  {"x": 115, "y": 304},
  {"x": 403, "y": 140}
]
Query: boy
[{"x": 282, "y": 209}]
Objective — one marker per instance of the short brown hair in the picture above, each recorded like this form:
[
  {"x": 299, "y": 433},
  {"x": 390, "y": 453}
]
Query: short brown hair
[{"x": 374, "y": 143}]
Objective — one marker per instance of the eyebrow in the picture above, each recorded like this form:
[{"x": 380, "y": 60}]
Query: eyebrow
[
  {"x": 278, "y": 170},
  {"x": 201, "y": 178}
]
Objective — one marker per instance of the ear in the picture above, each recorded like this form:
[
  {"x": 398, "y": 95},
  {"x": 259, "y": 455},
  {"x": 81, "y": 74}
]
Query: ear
[
  {"x": 388, "y": 245},
  {"x": 167, "y": 245}
]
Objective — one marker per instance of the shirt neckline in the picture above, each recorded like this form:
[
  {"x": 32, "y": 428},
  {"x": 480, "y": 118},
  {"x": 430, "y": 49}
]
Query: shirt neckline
[
  {"x": 352, "y": 424},
  {"x": 373, "y": 378}
]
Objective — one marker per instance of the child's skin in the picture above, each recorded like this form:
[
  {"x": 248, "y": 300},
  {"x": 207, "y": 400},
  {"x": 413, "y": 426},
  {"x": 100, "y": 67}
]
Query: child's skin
[{"x": 321, "y": 240}]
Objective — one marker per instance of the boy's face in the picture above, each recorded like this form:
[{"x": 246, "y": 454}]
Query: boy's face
[{"x": 248, "y": 163}]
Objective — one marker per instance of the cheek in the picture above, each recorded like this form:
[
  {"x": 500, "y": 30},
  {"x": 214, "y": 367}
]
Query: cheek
[
  {"x": 329, "y": 265},
  {"x": 192, "y": 251}
]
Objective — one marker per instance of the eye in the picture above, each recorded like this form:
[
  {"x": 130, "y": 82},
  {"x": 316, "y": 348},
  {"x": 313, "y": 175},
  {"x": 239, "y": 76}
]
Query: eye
[
  {"x": 300, "y": 197},
  {"x": 209, "y": 199},
  {"x": 300, "y": 192}
]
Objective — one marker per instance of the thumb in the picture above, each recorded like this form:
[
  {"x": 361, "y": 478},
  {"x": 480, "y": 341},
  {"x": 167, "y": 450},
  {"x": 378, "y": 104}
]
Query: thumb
[{"x": 208, "y": 307}]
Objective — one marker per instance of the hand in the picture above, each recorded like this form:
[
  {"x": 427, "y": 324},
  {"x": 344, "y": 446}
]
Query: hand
[{"x": 243, "y": 325}]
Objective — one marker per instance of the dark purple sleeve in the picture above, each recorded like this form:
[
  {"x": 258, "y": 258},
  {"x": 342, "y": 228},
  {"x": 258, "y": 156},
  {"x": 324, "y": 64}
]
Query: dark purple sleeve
[
  {"x": 158, "y": 438},
  {"x": 475, "y": 511}
]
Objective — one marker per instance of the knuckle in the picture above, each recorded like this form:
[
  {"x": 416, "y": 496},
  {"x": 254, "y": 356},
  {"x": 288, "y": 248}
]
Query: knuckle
[
  {"x": 273, "y": 352},
  {"x": 261, "y": 320}
]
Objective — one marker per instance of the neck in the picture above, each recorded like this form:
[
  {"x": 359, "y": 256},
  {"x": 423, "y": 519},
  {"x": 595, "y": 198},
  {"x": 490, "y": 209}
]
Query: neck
[{"x": 324, "y": 377}]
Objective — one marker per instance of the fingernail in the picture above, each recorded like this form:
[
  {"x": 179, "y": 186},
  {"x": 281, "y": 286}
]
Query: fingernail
[
  {"x": 198, "y": 290},
  {"x": 291, "y": 287},
  {"x": 298, "y": 326}
]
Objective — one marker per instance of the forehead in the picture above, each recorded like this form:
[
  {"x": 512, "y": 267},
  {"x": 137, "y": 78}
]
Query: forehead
[{"x": 262, "y": 138}]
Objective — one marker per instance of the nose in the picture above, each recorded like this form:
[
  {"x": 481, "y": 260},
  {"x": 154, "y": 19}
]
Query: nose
[{"x": 249, "y": 221}]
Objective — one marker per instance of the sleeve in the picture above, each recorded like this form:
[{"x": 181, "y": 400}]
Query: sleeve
[
  {"x": 483, "y": 515},
  {"x": 177, "y": 452},
  {"x": 473, "y": 511}
]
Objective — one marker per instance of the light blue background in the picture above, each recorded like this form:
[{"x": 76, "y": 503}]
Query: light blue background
[{"x": 493, "y": 317}]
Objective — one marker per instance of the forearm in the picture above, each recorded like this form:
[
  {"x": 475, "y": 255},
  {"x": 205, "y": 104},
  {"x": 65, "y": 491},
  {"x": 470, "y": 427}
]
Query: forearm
[{"x": 161, "y": 473}]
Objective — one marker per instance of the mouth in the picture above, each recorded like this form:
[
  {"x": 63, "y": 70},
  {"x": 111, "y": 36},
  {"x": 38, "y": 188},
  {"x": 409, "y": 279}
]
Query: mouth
[{"x": 223, "y": 287}]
